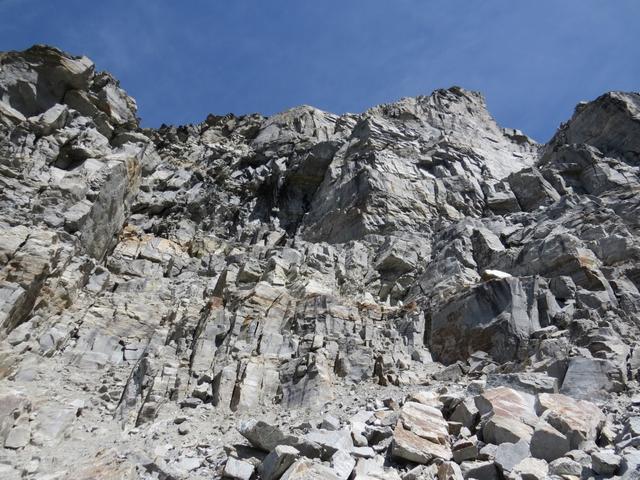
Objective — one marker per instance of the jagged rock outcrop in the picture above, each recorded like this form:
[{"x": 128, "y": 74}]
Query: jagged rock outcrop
[{"x": 356, "y": 293}]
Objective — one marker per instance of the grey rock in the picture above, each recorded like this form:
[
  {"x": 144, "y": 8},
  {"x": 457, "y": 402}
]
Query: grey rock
[
  {"x": 267, "y": 437},
  {"x": 465, "y": 413},
  {"x": 580, "y": 421},
  {"x": 531, "y": 189},
  {"x": 342, "y": 464},
  {"x": 331, "y": 440},
  {"x": 308, "y": 265},
  {"x": 488, "y": 452},
  {"x": 580, "y": 456},
  {"x": 18, "y": 437},
  {"x": 10, "y": 473},
  {"x": 531, "y": 469},
  {"x": 278, "y": 461},
  {"x": 304, "y": 469},
  {"x": 630, "y": 464},
  {"x": 605, "y": 462},
  {"x": 465, "y": 449},
  {"x": 330, "y": 422},
  {"x": 479, "y": 469},
  {"x": 508, "y": 455},
  {"x": 547, "y": 443},
  {"x": 530, "y": 382},
  {"x": 565, "y": 466},
  {"x": 421, "y": 434},
  {"x": 590, "y": 378},
  {"x": 374, "y": 469},
  {"x": 237, "y": 469},
  {"x": 494, "y": 317},
  {"x": 19, "y": 85},
  {"x": 449, "y": 471},
  {"x": 508, "y": 414},
  {"x": 500, "y": 429}
]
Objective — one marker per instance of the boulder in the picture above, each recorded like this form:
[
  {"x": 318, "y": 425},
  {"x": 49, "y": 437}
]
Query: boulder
[
  {"x": 35, "y": 80},
  {"x": 507, "y": 402},
  {"x": 278, "y": 461},
  {"x": 267, "y": 437},
  {"x": 374, "y": 469},
  {"x": 565, "y": 466},
  {"x": 508, "y": 455},
  {"x": 496, "y": 317},
  {"x": 449, "y": 471},
  {"x": 531, "y": 189},
  {"x": 500, "y": 429},
  {"x": 329, "y": 422},
  {"x": 331, "y": 440},
  {"x": 530, "y": 382},
  {"x": 580, "y": 421},
  {"x": 547, "y": 443},
  {"x": 531, "y": 469},
  {"x": 465, "y": 449},
  {"x": 342, "y": 464},
  {"x": 466, "y": 413},
  {"x": 305, "y": 469},
  {"x": 591, "y": 378},
  {"x": 605, "y": 462},
  {"x": 18, "y": 437},
  {"x": 237, "y": 469},
  {"x": 421, "y": 434},
  {"x": 485, "y": 470}
]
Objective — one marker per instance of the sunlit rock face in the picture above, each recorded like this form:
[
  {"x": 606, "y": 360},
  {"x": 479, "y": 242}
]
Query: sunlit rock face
[{"x": 410, "y": 292}]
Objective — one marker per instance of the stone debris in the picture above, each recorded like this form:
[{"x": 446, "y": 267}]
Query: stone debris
[{"x": 410, "y": 292}]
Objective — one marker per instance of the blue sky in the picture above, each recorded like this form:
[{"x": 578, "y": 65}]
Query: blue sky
[{"x": 184, "y": 59}]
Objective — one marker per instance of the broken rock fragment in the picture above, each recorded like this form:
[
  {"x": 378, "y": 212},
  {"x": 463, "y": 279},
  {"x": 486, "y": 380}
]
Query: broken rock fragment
[{"x": 421, "y": 434}]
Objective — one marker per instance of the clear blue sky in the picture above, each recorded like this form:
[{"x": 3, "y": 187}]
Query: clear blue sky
[{"x": 533, "y": 60}]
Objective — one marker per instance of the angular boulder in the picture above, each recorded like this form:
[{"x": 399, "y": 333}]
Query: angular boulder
[
  {"x": 496, "y": 317},
  {"x": 592, "y": 378},
  {"x": 580, "y": 421},
  {"x": 421, "y": 434}
]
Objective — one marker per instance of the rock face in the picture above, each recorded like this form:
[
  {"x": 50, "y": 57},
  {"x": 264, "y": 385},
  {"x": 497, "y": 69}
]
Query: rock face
[
  {"x": 497, "y": 317},
  {"x": 312, "y": 295}
]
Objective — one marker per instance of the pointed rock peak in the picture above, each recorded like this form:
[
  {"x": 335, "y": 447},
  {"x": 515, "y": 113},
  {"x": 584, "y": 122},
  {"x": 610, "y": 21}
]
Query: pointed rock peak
[
  {"x": 297, "y": 122},
  {"x": 444, "y": 100},
  {"x": 447, "y": 120},
  {"x": 446, "y": 97},
  {"x": 46, "y": 55},
  {"x": 610, "y": 123},
  {"x": 35, "y": 80}
]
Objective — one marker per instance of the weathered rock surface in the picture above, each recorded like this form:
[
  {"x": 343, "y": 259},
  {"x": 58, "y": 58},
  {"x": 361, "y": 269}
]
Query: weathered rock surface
[
  {"x": 421, "y": 434},
  {"x": 312, "y": 295}
]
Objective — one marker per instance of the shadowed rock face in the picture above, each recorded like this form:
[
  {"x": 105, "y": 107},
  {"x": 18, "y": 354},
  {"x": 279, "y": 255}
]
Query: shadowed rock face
[
  {"x": 159, "y": 286},
  {"x": 497, "y": 317}
]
